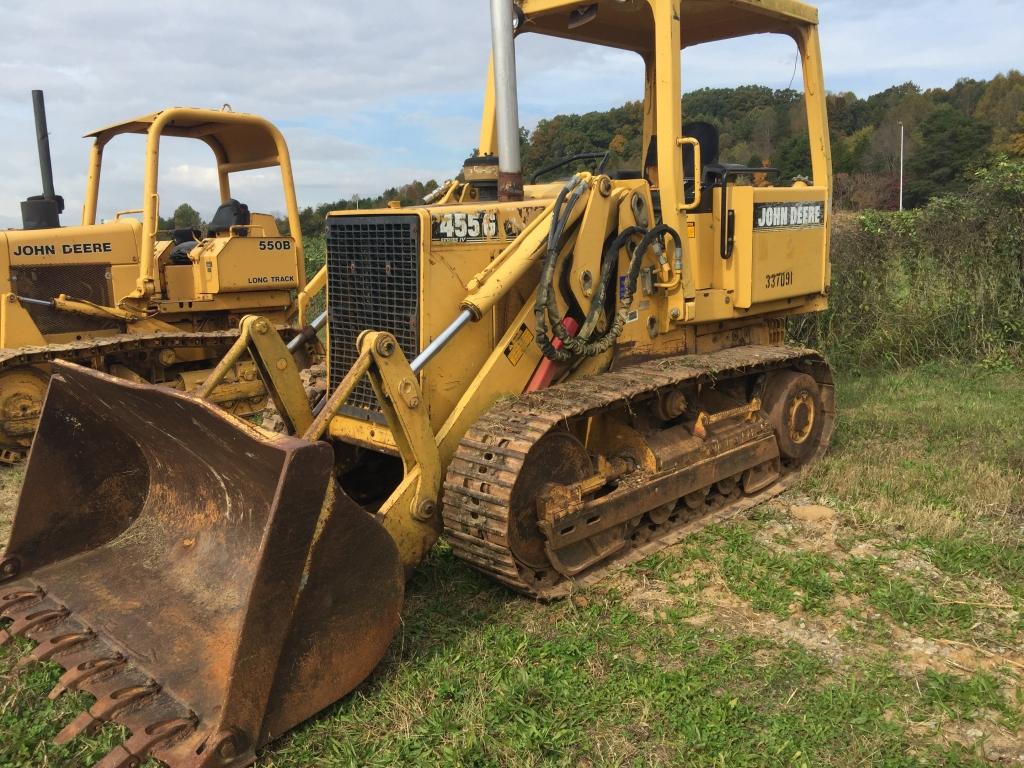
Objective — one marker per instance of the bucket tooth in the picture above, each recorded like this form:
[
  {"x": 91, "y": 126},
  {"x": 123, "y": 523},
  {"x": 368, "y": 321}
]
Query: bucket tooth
[
  {"x": 56, "y": 637},
  {"x": 120, "y": 692},
  {"x": 84, "y": 723},
  {"x": 80, "y": 671},
  {"x": 9, "y": 600},
  {"x": 160, "y": 721},
  {"x": 33, "y": 620},
  {"x": 137, "y": 749},
  {"x": 56, "y": 644}
]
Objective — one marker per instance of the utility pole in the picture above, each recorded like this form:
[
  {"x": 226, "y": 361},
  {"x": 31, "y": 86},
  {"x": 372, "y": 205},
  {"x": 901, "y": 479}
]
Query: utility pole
[{"x": 901, "y": 164}]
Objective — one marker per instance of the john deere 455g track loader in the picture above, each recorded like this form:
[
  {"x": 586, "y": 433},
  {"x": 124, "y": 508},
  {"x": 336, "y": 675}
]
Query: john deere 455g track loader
[
  {"x": 124, "y": 297},
  {"x": 560, "y": 378}
]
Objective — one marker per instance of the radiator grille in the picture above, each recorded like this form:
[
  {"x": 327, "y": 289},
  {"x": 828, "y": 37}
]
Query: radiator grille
[
  {"x": 373, "y": 284},
  {"x": 89, "y": 282}
]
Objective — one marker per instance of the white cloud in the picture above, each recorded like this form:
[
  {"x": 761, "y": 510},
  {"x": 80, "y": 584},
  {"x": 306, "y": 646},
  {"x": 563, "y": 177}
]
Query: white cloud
[{"x": 373, "y": 95}]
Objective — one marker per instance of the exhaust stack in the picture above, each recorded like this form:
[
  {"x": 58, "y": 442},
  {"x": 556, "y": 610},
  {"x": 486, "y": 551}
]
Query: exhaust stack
[
  {"x": 510, "y": 164},
  {"x": 42, "y": 211}
]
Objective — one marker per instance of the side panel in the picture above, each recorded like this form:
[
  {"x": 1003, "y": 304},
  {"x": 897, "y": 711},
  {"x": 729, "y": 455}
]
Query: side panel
[
  {"x": 462, "y": 241},
  {"x": 76, "y": 261},
  {"x": 246, "y": 264},
  {"x": 779, "y": 251},
  {"x": 113, "y": 243}
]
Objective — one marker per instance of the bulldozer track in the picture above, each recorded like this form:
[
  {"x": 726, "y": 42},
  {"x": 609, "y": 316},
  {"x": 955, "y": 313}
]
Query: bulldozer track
[
  {"x": 84, "y": 351},
  {"x": 90, "y": 352},
  {"x": 480, "y": 480}
]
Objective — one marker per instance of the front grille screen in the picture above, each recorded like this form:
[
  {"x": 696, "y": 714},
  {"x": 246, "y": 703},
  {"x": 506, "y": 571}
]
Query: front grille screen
[
  {"x": 88, "y": 282},
  {"x": 372, "y": 284}
]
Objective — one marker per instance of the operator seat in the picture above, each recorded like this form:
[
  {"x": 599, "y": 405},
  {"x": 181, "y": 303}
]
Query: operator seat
[
  {"x": 184, "y": 241},
  {"x": 708, "y": 137},
  {"x": 230, "y": 214}
]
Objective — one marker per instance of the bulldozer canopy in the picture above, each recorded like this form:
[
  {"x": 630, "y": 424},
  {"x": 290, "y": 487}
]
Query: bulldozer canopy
[
  {"x": 238, "y": 139},
  {"x": 630, "y": 26}
]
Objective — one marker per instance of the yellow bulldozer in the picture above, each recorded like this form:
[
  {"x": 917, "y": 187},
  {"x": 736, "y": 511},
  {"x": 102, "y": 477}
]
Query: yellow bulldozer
[
  {"x": 124, "y": 297},
  {"x": 558, "y": 377}
]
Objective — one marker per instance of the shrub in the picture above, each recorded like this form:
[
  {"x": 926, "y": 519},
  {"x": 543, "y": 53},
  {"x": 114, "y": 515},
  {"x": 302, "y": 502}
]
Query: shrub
[{"x": 944, "y": 282}]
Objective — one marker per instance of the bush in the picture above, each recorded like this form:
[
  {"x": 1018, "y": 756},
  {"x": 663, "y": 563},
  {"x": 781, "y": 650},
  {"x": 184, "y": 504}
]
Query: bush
[
  {"x": 316, "y": 256},
  {"x": 944, "y": 282}
]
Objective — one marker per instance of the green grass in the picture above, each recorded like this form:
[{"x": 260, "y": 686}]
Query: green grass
[
  {"x": 890, "y": 636},
  {"x": 931, "y": 450},
  {"x": 963, "y": 698}
]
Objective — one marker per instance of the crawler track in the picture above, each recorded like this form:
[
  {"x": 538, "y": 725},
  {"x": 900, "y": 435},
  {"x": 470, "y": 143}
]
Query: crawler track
[
  {"x": 96, "y": 353},
  {"x": 481, "y": 478}
]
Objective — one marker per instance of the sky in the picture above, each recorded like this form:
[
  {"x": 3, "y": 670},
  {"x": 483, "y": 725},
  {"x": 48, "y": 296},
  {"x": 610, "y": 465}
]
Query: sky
[{"x": 372, "y": 95}]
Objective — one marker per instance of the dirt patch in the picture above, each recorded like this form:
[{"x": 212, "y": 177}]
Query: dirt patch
[
  {"x": 984, "y": 735},
  {"x": 787, "y": 536},
  {"x": 955, "y": 657},
  {"x": 814, "y": 514},
  {"x": 819, "y": 634},
  {"x": 718, "y": 608}
]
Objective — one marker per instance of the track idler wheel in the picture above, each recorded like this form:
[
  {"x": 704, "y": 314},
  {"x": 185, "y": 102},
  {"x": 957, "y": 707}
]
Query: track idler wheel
[
  {"x": 794, "y": 406},
  {"x": 22, "y": 391}
]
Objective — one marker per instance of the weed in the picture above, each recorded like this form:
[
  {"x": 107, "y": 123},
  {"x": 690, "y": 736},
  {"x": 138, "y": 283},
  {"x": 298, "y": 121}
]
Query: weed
[{"x": 962, "y": 698}]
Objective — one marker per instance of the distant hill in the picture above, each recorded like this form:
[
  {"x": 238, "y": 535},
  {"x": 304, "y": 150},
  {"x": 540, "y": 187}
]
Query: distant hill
[{"x": 949, "y": 133}]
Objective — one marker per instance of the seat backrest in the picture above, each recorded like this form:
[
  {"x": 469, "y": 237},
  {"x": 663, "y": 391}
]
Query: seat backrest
[
  {"x": 707, "y": 136},
  {"x": 230, "y": 214}
]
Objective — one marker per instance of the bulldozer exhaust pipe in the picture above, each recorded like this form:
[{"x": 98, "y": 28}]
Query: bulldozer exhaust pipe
[
  {"x": 42, "y": 211},
  {"x": 510, "y": 164},
  {"x": 43, "y": 142}
]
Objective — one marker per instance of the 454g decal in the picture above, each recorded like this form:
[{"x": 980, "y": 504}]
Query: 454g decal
[{"x": 464, "y": 226}]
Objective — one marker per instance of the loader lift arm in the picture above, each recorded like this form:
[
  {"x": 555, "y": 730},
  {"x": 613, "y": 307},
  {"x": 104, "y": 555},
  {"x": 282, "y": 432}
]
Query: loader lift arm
[{"x": 410, "y": 514}]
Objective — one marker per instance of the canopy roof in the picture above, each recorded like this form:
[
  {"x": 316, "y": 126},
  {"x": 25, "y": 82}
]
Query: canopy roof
[
  {"x": 240, "y": 140},
  {"x": 629, "y": 24}
]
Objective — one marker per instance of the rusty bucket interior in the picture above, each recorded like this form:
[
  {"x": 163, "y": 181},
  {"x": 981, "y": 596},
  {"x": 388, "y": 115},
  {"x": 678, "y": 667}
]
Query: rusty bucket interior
[{"x": 208, "y": 583}]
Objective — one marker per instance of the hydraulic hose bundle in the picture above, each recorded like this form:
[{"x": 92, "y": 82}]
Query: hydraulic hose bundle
[{"x": 546, "y": 311}]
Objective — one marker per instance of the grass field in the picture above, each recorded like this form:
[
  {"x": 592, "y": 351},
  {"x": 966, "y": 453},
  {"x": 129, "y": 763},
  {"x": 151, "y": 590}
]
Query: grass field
[{"x": 872, "y": 617}]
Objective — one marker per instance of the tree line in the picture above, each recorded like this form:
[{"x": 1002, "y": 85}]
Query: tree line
[{"x": 949, "y": 134}]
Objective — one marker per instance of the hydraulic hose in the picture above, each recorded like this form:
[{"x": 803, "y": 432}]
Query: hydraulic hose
[
  {"x": 546, "y": 310},
  {"x": 583, "y": 346},
  {"x": 545, "y": 301},
  {"x": 635, "y": 263},
  {"x": 608, "y": 267}
]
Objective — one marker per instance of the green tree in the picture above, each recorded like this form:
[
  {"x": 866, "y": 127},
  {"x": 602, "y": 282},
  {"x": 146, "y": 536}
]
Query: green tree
[
  {"x": 1001, "y": 106},
  {"x": 952, "y": 145},
  {"x": 1017, "y": 139},
  {"x": 794, "y": 159},
  {"x": 186, "y": 217}
]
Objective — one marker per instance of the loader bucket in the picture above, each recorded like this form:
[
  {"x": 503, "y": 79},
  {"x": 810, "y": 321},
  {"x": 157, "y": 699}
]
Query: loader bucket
[{"x": 208, "y": 583}]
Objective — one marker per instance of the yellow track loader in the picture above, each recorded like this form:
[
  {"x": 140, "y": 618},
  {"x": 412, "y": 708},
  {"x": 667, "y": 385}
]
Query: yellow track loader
[
  {"x": 561, "y": 378},
  {"x": 124, "y": 297}
]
